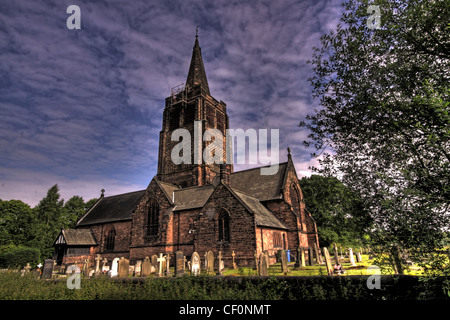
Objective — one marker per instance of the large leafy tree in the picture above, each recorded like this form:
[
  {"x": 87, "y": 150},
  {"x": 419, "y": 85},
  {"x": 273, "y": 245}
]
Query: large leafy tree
[
  {"x": 384, "y": 123},
  {"x": 338, "y": 212},
  {"x": 16, "y": 222},
  {"x": 48, "y": 214}
]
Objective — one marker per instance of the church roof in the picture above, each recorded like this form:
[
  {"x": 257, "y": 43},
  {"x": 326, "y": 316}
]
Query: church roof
[
  {"x": 192, "y": 197},
  {"x": 79, "y": 237},
  {"x": 262, "y": 187},
  {"x": 263, "y": 216},
  {"x": 113, "y": 208},
  {"x": 197, "y": 75}
]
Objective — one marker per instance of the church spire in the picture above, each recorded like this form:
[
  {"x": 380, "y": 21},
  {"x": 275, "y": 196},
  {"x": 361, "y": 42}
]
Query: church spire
[{"x": 197, "y": 75}]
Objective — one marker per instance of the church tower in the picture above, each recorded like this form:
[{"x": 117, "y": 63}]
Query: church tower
[{"x": 189, "y": 106}]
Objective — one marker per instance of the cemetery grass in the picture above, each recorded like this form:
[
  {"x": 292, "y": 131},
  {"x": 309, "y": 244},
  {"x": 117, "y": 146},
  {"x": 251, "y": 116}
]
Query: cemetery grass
[{"x": 204, "y": 287}]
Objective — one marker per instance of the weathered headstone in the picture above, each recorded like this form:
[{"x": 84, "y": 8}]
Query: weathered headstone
[
  {"x": 98, "y": 258},
  {"x": 86, "y": 268},
  {"x": 105, "y": 268},
  {"x": 27, "y": 267},
  {"x": 161, "y": 261},
  {"x": 284, "y": 261},
  {"x": 336, "y": 254},
  {"x": 234, "y": 263},
  {"x": 154, "y": 263},
  {"x": 195, "y": 264},
  {"x": 300, "y": 258},
  {"x": 47, "y": 270},
  {"x": 255, "y": 255},
  {"x": 316, "y": 252},
  {"x": 310, "y": 256},
  {"x": 179, "y": 263},
  {"x": 124, "y": 267},
  {"x": 358, "y": 257},
  {"x": 220, "y": 263},
  {"x": 146, "y": 267},
  {"x": 167, "y": 264},
  {"x": 352, "y": 258},
  {"x": 327, "y": 258},
  {"x": 263, "y": 265},
  {"x": 114, "y": 268},
  {"x": 137, "y": 268},
  {"x": 210, "y": 262}
]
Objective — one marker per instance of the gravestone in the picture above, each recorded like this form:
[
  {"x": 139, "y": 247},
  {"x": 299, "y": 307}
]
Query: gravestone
[
  {"x": 234, "y": 263},
  {"x": 146, "y": 267},
  {"x": 179, "y": 263},
  {"x": 300, "y": 258},
  {"x": 167, "y": 263},
  {"x": 263, "y": 265},
  {"x": 124, "y": 267},
  {"x": 105, "y": 268},
  {"x": 161, "y": 261},
  {"x": 310, "y": 256},
  {"x": 137, "y": 268},
  {"x": 220, "y": 263},
  {"x": 358, "y": 257},
  {"x": 195, "y": 264},
  {"x": 326, "y": 255},
  {"x": 114, "y": 268},
  {"x": 98, "y": 258},
  {"x": 336, "y": 254},
  {"x": 255, "y": 255},
  {"x": 47, "y": 270},
  {"x": 210, "y": 262},
  {"x": 316, "y": 252},
  {"x": 86, "y": 268},
  {"x": 284, "y": 261},
  {"x": 352, "y": 258},
  {"x": 154, "y": 263}
]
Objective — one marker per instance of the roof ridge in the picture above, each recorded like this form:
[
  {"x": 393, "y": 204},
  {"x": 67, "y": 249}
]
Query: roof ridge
[
  {"x": 196, "y": 187},
  {"x": 121, "y": 194},
  {"x": 266, "y": 166}
]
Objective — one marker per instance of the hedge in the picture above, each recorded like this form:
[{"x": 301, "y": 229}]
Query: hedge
[{"x": 18, "y": 257}]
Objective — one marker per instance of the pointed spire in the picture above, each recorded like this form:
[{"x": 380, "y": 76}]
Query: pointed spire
[{"x": 197, "y": 74}]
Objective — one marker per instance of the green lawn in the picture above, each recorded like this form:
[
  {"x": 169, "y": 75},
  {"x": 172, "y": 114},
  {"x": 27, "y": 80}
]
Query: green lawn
[{"x": 318, "y": 269}]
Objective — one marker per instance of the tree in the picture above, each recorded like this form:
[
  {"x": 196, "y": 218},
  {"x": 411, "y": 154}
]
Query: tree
[
  {"x": 48, "y": 213},
  {"x": 338, "y": 213},
  {"x": 384, "y": 115},
  {"x": 16, "y": 221}
]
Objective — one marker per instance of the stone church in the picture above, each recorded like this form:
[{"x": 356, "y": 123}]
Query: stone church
[{"x": 195, "y": 207}]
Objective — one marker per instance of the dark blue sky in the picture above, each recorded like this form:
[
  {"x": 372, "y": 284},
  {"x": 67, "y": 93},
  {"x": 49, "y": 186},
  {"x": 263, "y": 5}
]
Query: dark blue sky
[{"x": 83, "y": 108}]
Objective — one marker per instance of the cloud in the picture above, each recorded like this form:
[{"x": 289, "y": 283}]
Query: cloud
[{"x": 84, "y": 107}]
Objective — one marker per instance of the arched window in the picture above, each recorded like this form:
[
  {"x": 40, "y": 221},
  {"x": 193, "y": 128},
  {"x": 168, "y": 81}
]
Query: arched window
[
  {"x": 153, "y": 218},
  {"x": 224, "y": 226},
  {"x": 110, "y": 239}
]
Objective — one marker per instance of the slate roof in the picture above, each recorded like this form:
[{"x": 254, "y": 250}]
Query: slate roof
[
  {"x": 79, "y": 237},
  {"x": 192, "y": 197},
  {"x": 113, "y": 208},
  {"x": 263, "y": 187},
  {"x": 263, "y": 216}
]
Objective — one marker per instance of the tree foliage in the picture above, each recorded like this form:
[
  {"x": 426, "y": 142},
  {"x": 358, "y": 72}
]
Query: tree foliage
[
  {"x": 338, "y": 212},
  {"x": 384, "y": 115},
  {"x": 22, "y": 226}
]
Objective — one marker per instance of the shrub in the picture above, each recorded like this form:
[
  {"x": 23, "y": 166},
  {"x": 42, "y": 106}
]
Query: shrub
[{"x": 18, "y": 257}]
